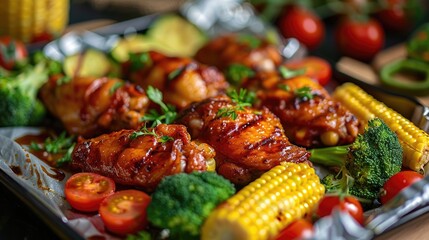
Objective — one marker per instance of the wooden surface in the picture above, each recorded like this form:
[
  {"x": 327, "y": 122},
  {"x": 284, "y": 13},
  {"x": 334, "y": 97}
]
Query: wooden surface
[{"x": 415, "y": 229}]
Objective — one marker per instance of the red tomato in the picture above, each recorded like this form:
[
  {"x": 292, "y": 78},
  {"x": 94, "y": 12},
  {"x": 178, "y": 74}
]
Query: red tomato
[
  {"x": 395, "y": 16},
  {"x": 397, "y": 182},
  {"x": 348, "y": 203},
  {"x": 359, "y": 39},
  {"x": 12, "y": 52},
  {"x": 85, "y": 191},
  {"x": 315, "y": 67},
  {"x": 299, "y": 229},
  {"x": 124, "y": 212},
  {"x": 302, "y": 24}
]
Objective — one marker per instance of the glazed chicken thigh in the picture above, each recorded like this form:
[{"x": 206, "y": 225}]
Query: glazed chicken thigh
[
  {"x": 89, "y": 106},
  {"x": 181, "y": 80},
  {"x": 246, "y": 146},
  {"x": 141, "y": 158}
]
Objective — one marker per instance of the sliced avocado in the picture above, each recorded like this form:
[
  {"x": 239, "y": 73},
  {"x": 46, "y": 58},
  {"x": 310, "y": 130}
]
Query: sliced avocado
[
  {"x": 409, "y": 76},
  {"x": 130, "y": 44},
  {"x": 176, "y": 35},
  {"x": 88, "y": 63}
]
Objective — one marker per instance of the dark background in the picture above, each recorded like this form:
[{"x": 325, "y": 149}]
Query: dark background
[{"x": 17, "y": 221}]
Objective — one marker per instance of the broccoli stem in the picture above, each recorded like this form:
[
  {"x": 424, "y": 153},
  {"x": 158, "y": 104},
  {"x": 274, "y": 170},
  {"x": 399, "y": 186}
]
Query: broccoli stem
[{"x": 330, "y": 156}]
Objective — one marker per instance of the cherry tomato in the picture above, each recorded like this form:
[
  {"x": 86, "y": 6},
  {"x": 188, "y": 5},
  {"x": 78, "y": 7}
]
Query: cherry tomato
[
  {"x": 348, "y": 203},
  {"x": 395, "y": 15},
  {"x": 315, "y": 67},
  {"x": 359, "y": 39},
  {"x": 396, "y": 183},
  {"x": 299, "y": 229},
  {"x": 12, "y": 53},
  {"x": 85, "y": 191},
  {"x": 124, "y": 212},
  {"x": 302, "y": 24}
]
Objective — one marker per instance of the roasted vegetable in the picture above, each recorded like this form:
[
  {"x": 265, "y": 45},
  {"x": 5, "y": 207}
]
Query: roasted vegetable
[
  {"x": 418, "y": 44},
  {"x": 368, "y": 162},
  {"x": 183, "y": 201},
  {"x": 263, "y": 208},
  {"x": 19, "y": 105},
  {"x": 414, "y": 141}
]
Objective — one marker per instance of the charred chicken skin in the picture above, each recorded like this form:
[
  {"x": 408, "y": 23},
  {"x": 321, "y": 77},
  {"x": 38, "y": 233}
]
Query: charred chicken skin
[
  {"x": 181, "y": 80},
  {"x": 90, "y": 106},
  {"x": 141, "y": 158},
  {"x": 248, "y": 50},
  {"x": 310, "y": 117},
  {"x": 246, "y": 146}
]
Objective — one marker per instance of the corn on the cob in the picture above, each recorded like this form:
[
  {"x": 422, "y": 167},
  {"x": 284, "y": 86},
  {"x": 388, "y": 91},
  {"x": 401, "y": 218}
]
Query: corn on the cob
[
  {"x": 264, "y": 207},
  {"x": 414, "y": 141},
  {"x": 25, "y": 19}
]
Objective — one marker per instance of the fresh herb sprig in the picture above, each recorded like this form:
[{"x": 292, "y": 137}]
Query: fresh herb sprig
[
  {"x": 236, "y": 73},
  {"x": 304, "y": 93},
  {"x": 144, "y": 131},
  {"x": 168, "y": 112},
  {"x": 242, "y": 99},
  {"x": 62, "y": 144},
  {"x": 287, "y": 73}
]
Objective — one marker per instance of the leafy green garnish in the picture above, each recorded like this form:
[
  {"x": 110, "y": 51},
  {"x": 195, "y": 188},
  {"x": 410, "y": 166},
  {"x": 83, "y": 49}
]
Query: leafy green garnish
[
  {"x": 142, "y": 235},
  {"x": 252, "y": 41},
  {"x": 175, "y": 73},
  {"x": 242, "y": 99},
  {"x": 168, "y": 112},
  {"x": 144, "y": 131},
  {"x": 61, "y": 144},
  {"x": 63, "y": 80},
  {"x": 235, "y": 73},
  {"x": 290, "y": 73},
  {"x": 304, "y": 93},
  {"x": 284, "y": 87},
  {"x": 115, "y": 87},
  {"x": 139, "y": 60}
]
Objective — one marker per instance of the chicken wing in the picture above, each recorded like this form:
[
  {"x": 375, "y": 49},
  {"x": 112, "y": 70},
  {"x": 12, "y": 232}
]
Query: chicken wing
[
  {"x": 141, "y": 158},
  {"x": 310, "y": 117},
  {"x": 181, "y": 80},
  {"x": 90, "y": 106},
  {"x": 251, "y": 51},
  {"x": 246, "y": 145}
]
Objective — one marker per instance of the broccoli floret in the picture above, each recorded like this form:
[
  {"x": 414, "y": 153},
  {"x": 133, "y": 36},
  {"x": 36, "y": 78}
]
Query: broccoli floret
[
  {"x": 364, "y": 165},
  {"x": 182, "y": 202},
  {"x": 19, "y": 105}
]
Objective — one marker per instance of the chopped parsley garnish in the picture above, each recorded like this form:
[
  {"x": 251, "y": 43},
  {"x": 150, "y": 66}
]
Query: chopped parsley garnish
[
  {"x": 168, "y": 112},
  {"x": 252, "y": 41},
  {"x": 115, "y": 87},
  {"x": 175, "y": 73},
  {"x": 139, "y": 60},
  {"x": 284, "y": 87},
  {"x": 144, "y": 131},
  {"x": 304, "y": 93},
  {"x": 242, "y": 99},
  {"x": 63, "y": 80},
  {"x": 62, "y": 144},
  {"x": 290, "y": 73},
  {"x": 236, "y": 73}
]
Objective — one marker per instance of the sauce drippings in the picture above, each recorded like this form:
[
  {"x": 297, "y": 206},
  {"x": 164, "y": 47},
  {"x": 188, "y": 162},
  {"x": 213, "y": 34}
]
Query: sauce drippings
[
  {"x": 16, "y": 169},
  {"x": 57, "y": 174}
]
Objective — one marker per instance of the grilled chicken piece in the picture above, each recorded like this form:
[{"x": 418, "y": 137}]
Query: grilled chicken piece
[
  {"x": 141, "y": 160},
  {"x": 251, "y": 51},
  {"x": 310, "y": 117},
  {"x": 90, "y": 106},
  {"x": 181, "y": 80},
  {"x": 246, "y": 146}
]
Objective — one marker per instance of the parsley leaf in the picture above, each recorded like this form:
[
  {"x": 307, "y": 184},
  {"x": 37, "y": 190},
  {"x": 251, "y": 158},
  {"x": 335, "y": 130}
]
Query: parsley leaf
[
  {"x": 290, "y": 73},
  {"x": 252, "y": 41},
  {"x": 63, "y": 80},
  {"x": 144, "y": 131},
  {"x": 284, "y": 87},
  {"x": 242, "y": 99},
  {"x": 175, "y": 73},
  {"x": 62, "y": 144},
  {"x": 139, "y": 60},
  {"x": 168, "y": 112},
  {"x": 115, "y": 87},
  {"x": 236, "y": 73},
  {"x": 304, "y": 93}
]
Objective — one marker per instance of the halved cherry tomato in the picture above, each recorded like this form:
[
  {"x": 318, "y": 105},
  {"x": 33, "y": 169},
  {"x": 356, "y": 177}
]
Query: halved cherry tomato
[
  {"x": 302, "y": 24},
  {"x": 396, "y": 183},
  {"x": 12, "y": 53},
  {"x": 124, "y": 212},
  {"x": 359, "y": 38},
  {"x": 349, "y": 204},
  {"x": 85, "y": 191},
  {"x": 315, "y": 67},
  {"x": 299, "y": 229}
]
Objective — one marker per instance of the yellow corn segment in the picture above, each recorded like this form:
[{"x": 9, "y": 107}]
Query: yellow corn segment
[
  {"x": 264, "y": 207},
  {"x": 414, "y": 141},
  {"x": 25, "y": 19}
]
